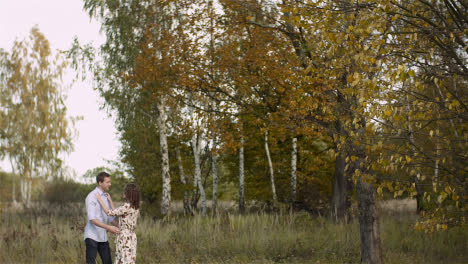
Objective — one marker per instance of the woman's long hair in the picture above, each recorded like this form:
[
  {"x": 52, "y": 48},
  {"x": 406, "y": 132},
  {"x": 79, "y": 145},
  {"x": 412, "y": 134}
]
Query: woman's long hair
[{"x": 132, "y": 195}]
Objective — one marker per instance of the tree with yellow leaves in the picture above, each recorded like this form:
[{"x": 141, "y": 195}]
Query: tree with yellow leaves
[{"x": 34, "y": 125}]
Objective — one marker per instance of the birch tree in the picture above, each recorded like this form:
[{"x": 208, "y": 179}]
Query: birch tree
[
  {"x": 140, "y": 64},
  {"x": 35, "y": 128},
  {"x": 241, "y": 176},
  {"x": 270, "y": 167},
  {"x": 293, "y": 182},
  {"x": 214, "y": 168},
  {"x": 196, "y": 146},
  {"x": 187, "y": 206},
  {"x": 166, "y": 177}
]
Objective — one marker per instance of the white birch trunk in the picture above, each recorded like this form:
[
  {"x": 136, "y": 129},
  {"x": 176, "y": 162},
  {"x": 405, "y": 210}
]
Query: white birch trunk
[
  {"x": 22, "y": 191},
  {"x": 293, "y": 170},
  {"x": 270, "y": 165},
  {"x": 13, "y": 191},
  {"x": 187, "y": 208},
  {"x": 436, "y": 165},
  {"x": 26, "y": 191},
  {"x": 196, "y": 145},
  {"x": 29, "y": 184},
  {"x": 214, "y": 158},
  {"x": 166, "y": 178},
  {"x": 241, "y": 177}
]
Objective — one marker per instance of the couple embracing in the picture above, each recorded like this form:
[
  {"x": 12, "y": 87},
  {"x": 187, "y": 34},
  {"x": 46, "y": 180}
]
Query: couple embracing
[{"x": 101, "y": 211}]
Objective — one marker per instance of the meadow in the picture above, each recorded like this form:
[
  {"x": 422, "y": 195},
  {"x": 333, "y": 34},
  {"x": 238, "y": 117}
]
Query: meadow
[{"x": 54, "y": 234}]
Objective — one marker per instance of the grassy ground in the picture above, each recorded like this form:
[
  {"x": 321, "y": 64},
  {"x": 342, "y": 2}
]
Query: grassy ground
[{"x": 55, "y": 235}]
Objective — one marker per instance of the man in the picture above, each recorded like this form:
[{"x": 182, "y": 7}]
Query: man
[{"x": 95, "y": 235}]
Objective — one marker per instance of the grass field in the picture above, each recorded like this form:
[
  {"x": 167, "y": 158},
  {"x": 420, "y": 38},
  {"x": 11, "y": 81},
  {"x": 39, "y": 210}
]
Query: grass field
[{"x": 48, "y": 234}]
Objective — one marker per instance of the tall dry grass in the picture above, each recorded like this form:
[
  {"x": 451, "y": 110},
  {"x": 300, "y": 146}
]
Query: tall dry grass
[{"x": 46, "y": 234}]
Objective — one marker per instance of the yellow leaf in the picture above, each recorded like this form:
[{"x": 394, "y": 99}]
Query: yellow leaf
[
  {"x": 379, "y": 190},
  {"x": 447, "y": 189},
  {"x": 441, "y": 197},
  {"x": 390, "y": 187},
  {"x": 408, "y": 159}
]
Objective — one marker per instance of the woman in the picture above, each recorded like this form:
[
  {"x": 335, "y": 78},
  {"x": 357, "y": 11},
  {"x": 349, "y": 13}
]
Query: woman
[{"x": 125, "y": 251}]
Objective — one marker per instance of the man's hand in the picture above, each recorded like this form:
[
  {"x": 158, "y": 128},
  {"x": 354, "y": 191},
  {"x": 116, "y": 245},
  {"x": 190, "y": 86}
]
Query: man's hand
[
  {"x": 115, "y": 222},
  {"x": 113, "y": 229}
]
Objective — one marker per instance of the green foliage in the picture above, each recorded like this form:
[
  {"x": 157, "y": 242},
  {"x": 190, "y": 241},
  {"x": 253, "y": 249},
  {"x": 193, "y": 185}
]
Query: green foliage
[
  {"x": 314, "y": 170},
  {"x": 6, "y": 183},
  {"x": 118, "y": 180},
  {"x": 65, "y": 192},
  {"x": 378, "y": 83}
]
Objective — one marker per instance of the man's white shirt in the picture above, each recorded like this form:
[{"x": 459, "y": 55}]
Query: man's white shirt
[{"x": 95, "y": 211}]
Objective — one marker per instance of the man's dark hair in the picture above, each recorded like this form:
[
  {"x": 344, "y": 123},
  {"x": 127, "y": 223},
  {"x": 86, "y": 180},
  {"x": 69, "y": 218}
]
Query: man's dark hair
[{"x": 100, "y": 177}]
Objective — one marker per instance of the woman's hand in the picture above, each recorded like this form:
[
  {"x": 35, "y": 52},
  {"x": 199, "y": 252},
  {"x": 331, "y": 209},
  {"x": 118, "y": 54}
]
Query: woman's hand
[
  {"x": 110, "y": 200},
  {"x": 108, "y": 197},
  {"x": 99, "y": 199}
]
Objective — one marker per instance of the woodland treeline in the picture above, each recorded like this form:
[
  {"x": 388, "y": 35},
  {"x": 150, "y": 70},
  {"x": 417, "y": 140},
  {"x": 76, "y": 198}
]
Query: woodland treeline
[
  {"x": 291, "y": 100},
  {"x": 313, "y": 104}
]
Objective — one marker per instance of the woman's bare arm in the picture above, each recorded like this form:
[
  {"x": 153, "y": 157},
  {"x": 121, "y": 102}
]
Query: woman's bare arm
[
  {"x": 101, "y": 202},
  {"x": 110, "y": 201}
]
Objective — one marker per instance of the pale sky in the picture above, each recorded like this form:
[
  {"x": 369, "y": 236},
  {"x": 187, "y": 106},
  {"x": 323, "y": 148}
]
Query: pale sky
[{"x": 60, "y": 21}]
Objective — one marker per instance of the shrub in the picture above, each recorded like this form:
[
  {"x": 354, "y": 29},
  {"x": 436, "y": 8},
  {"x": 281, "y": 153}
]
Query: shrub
[{"x": 66, "y": 191}]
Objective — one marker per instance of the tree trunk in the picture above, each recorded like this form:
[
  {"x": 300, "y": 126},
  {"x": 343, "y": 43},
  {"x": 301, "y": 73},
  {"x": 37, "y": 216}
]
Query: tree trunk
[
  {"x": 270, "y": 166},
  {"x": 241, "y": 177},
  {"x": 371, "y": 251},
  {"x": 26, "y": 191},
  {"x": 292, "y": 192},
  {"x": 13, "y": 191},
  {"x": 419, "y": 189},
  {"x": 341, "y": 185},
  {"x": 436, "y": 162},
  {"x": 22, "y": 191},
  {"x": 214, "y": 158},
  {"x": 196, "y": 145},
  {"x": 166, "y": 187},
  {"x": 29, "y": 192},
  {"x": 187, "y": 208}
]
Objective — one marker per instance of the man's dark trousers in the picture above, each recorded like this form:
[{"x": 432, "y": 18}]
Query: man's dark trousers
[{"x": 92, "y": 247}]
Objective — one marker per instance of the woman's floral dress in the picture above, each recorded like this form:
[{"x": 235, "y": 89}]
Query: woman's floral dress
[{"x": 125, "y": 251}]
